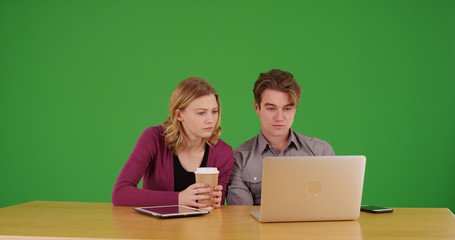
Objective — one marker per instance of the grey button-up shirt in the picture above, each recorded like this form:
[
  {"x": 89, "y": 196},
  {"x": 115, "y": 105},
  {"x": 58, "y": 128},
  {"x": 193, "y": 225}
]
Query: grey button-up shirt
[{"x": 246, "y": 180}]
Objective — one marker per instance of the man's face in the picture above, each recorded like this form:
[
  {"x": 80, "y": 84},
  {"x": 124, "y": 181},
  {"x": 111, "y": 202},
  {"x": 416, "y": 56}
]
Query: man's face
[{"x": 276, "y": 113}]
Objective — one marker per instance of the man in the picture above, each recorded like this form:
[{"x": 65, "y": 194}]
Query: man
[{"x": 276, "y": 96}]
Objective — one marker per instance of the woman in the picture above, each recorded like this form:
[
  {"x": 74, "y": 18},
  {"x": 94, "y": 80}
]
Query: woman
[{"x": 166, "y": 156}]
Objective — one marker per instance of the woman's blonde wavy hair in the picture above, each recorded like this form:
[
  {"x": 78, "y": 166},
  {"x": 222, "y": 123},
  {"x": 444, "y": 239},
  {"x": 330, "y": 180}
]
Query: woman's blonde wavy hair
[{"x": 185, "y": 92}]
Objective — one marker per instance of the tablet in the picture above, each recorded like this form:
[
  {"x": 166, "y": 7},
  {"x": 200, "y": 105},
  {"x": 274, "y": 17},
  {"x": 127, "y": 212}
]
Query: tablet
[{"x": 171, "y": 211}]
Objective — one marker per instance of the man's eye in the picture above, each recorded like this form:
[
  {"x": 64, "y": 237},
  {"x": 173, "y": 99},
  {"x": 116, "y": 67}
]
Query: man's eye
[{"x": 271, "y": 109}]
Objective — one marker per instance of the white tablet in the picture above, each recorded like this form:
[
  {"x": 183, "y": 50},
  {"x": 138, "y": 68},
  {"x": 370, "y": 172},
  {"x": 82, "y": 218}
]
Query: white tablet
[{"x": 171, "y": 211}]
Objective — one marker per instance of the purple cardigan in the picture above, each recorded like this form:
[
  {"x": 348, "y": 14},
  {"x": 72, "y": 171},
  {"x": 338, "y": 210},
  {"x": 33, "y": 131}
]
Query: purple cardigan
[{"x": 153, "y": 161}]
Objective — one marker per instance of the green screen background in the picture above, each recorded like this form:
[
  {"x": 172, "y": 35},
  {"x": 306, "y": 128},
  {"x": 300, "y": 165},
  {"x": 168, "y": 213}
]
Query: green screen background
[{"x": 81, "y": 80}]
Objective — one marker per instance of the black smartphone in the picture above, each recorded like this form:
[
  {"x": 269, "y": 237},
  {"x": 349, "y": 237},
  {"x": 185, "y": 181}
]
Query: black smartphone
[{"x": 375, "y": 209}]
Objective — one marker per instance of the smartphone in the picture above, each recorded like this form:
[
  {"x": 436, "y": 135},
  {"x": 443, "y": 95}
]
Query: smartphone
[
  {"x": 172, "y": 211},
  {"x": 375, "y": 209}
]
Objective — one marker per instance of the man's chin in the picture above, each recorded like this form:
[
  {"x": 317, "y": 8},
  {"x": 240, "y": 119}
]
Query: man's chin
[{"x": 280, "y": 133}]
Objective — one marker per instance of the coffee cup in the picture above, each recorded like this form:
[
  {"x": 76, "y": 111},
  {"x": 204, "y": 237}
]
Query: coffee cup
[{"x": 208, "y": 175}]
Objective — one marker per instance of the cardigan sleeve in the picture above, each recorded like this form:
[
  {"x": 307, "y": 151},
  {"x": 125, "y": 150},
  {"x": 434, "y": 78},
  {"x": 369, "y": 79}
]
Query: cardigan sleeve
[{"x": 126, "y": 192}]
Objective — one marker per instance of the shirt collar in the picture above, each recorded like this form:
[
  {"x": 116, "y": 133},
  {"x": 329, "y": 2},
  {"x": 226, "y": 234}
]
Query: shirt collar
[
  {"x": 263, "y": 144},
  {"x": 292, "y": 140}
]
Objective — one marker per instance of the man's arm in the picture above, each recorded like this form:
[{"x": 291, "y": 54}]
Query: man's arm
[
  {"x": 238, "y": 192},
  {"x": 328, "y": 151}
]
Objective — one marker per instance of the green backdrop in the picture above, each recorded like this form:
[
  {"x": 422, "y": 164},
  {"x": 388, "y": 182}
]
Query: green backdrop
[{"x": 81, "y": 80}]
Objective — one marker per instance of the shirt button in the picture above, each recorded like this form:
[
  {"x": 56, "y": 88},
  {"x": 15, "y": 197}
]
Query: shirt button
[{"x": 255, "y": 178}]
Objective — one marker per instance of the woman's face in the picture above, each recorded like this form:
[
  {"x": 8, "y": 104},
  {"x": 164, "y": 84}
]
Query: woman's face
[{"x": 199, "y": 117}]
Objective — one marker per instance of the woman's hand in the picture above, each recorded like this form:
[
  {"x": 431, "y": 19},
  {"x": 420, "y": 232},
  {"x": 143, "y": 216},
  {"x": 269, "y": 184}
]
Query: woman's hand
[
  {"x": 189, "y": 196},
  {"x": 216, "y": 196}
]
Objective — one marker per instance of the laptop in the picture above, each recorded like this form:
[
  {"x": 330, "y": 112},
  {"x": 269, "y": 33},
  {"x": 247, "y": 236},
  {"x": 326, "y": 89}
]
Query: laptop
[{"x": 322, "y": 188}]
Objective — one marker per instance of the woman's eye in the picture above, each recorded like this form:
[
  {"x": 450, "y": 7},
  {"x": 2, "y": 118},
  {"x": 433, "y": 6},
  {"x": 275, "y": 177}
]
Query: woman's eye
[{"x": 201, "y": 113}]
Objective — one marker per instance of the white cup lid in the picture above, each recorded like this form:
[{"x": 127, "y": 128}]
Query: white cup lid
[{"x": 206, "y": 170}]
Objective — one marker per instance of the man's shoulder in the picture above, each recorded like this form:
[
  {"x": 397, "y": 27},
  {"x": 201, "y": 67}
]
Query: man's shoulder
[
  {"x": 244, "y": 152},
  {"x": 310, "y": 139},
  {"x": 318, "y": 146},
  {"x": 246, "y": 146}
]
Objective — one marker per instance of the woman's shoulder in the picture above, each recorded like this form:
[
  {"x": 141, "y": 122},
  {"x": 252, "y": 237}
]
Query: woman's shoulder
[
  {"x": 222, "y": 146},
  {"x": 153, "y": 133},
  {"x": 155, "y": 130},
  {"x": 222, "y": 156}
]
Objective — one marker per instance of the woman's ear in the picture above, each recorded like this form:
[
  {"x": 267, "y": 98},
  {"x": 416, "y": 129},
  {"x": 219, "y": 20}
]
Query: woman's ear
[{"x": 178, "y": 115}]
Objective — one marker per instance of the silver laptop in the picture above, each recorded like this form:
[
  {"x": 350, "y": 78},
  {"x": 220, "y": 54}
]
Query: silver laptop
[{"x": 325, "y": 188}]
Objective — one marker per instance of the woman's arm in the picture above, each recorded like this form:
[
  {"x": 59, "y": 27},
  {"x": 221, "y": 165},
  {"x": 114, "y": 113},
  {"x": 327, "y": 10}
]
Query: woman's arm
[
  {"x": 126, "y": 192},
  {"x": 224, "y": 162}
]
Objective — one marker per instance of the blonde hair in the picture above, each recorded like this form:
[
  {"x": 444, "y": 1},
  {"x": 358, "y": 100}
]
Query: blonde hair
[{"x": 185, "y": 92}]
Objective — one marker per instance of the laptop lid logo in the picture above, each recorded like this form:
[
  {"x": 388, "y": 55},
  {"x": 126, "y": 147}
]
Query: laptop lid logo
[{"x": 313, "y": 188}]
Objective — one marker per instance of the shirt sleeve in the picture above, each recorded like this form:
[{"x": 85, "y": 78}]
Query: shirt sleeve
[
  {"x": 126, "y": 192},
  {"x": 328, "y": 151},
  {"x": 238, "y": 191}
]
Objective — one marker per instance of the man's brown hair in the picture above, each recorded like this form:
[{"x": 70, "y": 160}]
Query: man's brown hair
[{"x": 278, "y": 80}]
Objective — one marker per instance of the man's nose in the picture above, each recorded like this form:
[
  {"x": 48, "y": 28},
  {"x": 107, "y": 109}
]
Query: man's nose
[{"x": 279, "y": 115}]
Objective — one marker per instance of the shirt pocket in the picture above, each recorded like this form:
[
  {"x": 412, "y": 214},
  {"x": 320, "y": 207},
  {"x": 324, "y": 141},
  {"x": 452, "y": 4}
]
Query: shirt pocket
[{"x": 253, "y": 180}]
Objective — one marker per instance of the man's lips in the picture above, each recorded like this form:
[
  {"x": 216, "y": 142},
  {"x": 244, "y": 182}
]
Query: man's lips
[{"x": 278, "y": 125}]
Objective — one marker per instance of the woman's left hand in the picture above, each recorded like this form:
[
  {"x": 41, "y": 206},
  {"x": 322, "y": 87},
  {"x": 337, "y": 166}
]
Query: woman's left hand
[{"x": 216, "y": 196}]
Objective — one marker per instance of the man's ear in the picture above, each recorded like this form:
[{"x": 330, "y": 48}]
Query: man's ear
[
  {"x": 256, "y": 107},
  {"x": 178, "y": 115}
]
